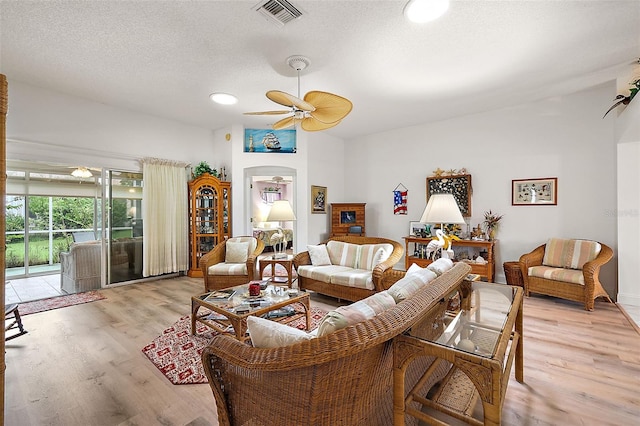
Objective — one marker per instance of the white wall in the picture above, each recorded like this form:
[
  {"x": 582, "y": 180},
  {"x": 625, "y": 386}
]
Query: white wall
[
  {"x": 51, "y": 126},
  {"x": 628, "y": 211},
  {"x": 562, "y": 137}
]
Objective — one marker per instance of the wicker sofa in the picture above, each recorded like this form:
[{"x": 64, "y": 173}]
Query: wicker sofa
[
  {"x": 343, "y": 284},
  {"x": 566, "y": 268},
  {"x": 341, "y": 378}
]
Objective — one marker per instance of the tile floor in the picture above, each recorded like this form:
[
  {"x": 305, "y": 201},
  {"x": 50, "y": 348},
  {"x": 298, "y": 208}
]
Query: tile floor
[{"x": 20, "y": 290}]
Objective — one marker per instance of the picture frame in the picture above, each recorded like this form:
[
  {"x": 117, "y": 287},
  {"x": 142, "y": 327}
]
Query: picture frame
[
  {"x": 416, "y": 228},
  {"x": 457, "y": 185},
  {"x": 538, "y": 191},
  {"x": 318, "y": 199},
  {"x": 271, "y": 141},
  {"x": 347, "y": 217}
]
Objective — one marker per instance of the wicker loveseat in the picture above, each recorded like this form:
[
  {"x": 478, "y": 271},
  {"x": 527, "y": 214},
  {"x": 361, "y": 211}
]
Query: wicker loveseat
[
  {"x": 566, "y": 268},
  {"x": 349, "y": 283},
  {"x": 341, "y": 378}
]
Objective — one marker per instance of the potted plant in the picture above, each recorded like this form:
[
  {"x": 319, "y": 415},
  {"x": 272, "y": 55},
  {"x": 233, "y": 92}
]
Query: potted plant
[
  {"x": 490, "y": 223},
  {"x": 203, "y": 167}
]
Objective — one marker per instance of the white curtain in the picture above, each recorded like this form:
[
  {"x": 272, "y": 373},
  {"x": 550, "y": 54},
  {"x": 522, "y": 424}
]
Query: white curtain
[{"x": 165, "y": 217}]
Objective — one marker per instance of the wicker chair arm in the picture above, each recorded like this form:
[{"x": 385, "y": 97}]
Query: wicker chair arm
[
  {"x": 215, "y": 256},
  {"x": 252, "y": 260},
  {"x": 302, "y": 258},
  {"x": 591, "y": 269}
]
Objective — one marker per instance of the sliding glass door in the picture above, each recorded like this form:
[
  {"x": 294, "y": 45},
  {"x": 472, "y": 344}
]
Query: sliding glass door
[{"x": 123, "y": 196}]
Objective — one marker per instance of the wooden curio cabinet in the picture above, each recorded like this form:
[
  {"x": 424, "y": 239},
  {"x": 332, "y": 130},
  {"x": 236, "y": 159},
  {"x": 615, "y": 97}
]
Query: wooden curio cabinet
[{"x": 209, "y": 217}]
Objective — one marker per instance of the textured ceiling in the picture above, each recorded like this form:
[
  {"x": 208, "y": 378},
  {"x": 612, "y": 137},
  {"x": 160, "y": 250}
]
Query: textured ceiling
[{"x": 165, "y": 57}]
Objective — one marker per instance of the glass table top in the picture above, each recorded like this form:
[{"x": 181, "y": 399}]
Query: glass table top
[
  {"x": 475, "y": 326},
  {"x": 237, "y": 299}
]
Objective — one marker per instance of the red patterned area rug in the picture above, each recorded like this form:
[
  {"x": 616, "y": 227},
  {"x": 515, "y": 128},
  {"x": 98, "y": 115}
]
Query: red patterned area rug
[
  {"x": 59, "y": 302},
  {"x": 177, "y": 353}
]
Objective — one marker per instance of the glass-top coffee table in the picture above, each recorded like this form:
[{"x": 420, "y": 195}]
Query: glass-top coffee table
[
  {"x": 481, "y": 337},
  {"x": 229, "y": 308}
]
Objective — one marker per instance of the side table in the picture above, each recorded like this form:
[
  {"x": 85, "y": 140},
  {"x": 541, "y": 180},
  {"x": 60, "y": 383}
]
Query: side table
[
  {"x": 481, "y": 342},
  {"x": 286, "y": 263}
]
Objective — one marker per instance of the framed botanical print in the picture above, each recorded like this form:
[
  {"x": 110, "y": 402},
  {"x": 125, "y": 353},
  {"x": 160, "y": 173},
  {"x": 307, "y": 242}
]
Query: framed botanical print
[
  {"x": 458, "y": 185},
  {"x": 318, "y": 199},
  {"x": 541, "y": 191}
]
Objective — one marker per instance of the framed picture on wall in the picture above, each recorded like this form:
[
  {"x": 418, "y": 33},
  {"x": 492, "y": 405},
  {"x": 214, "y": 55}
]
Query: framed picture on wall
[
  {"x": 540, "y": 191},
  {"x": 458, "y": 185},
  {"x": 269, "y": 140},
  {"x": 318, "y": 199}
]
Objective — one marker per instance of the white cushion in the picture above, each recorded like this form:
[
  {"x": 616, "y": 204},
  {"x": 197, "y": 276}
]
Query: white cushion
[
  {"x": 361, "y": 310},
  {"x": 271, "y": 334},
  {"x": 319, "y": 255},
  {"x": 236, "y": 252},
  {"x": 440, "y": 266},
  {"x": 410, "y": 283},
  {"x": 413, "y": 268}
]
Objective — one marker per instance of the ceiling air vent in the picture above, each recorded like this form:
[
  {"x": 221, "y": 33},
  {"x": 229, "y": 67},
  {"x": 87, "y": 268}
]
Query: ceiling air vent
[{"x": 279, "y": 11}]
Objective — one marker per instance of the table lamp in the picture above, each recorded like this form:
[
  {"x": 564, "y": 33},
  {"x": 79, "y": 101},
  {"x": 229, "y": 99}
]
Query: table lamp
[
  {"x": 441, "y": 209},
  {"x": 281, "y": 211}
]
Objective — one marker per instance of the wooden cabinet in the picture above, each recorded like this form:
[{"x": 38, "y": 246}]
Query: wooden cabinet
[
  {"x": 209, "y": 217},
  {"x": 415, "y": 250},
  {"x": 347, "y": 218}
]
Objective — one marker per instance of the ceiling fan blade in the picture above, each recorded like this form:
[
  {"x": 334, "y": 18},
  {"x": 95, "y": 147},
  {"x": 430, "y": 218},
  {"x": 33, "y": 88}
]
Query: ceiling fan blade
[
  {"x": 286, "y": 99},
  {"x": 284, "y": 123},
  {"x": 310, "y": 124},
  {"x": 268, "y": 112},
  {"x": 329, "y": 107}
]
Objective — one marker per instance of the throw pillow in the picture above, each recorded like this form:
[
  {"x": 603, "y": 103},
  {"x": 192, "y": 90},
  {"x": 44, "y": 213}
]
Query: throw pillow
[
  {"x": 319, "y": 255},
  {"x": 271, "y": 334},
  {"x": 440, "y": 266},
  {"x": 413, "y": 268},
  {"x": 410, "y": 283},
  {"x": 236, "y": 252},
  {"x": 359, "y": 311}
]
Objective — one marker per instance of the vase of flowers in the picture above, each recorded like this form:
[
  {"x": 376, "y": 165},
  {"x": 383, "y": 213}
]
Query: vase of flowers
[{"x": 491, "y": 223}]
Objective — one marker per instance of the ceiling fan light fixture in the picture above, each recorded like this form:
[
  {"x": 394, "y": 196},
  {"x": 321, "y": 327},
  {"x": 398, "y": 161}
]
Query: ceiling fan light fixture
[
  {"x": 223, "y": 98},
  {"x": 81, "y": 172},
  {"x": 421, "y": 11}
]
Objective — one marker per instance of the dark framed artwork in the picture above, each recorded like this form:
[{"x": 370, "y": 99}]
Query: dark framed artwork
[
  {"x": 458, "y": 185},
  {"x": 347, "y": 216},
  {"x": 540, "y": 191},
  {"x": 318, "y": 199}
]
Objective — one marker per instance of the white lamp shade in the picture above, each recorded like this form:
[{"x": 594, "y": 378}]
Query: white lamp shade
[
  {"x": 442, "y": 208},
  {"x": 280, "y": 211}
]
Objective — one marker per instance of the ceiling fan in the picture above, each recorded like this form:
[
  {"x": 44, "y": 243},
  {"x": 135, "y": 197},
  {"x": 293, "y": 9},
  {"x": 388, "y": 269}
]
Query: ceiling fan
[{"x": 317, "y": 111}]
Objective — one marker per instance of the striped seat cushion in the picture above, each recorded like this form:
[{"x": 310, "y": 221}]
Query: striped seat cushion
[
  {"x": 228, "y": 269},
  {"x": 322, "y": 273},
  {"x": 573, "y": 254},
  {"x": 557, "y": 274},
  {"x": 360, "y": 278}
]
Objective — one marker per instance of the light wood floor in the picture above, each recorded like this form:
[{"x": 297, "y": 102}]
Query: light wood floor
[{"x": 83, "y": 365}]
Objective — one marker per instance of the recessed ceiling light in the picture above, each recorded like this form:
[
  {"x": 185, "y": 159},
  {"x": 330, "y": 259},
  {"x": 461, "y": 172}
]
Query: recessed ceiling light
[
  {"x": 420, "y": 11},
  {"x": 223, "y": 98}
]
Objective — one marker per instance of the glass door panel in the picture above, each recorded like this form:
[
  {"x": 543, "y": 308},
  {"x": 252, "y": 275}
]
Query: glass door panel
[{"x": 124, "y": 226}]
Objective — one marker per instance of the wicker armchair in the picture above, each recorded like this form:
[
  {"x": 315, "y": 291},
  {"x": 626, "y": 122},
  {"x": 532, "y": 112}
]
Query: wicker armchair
[
  {"x": 585, "y": 293},
  {"x": 342, "y": 378},
  {"x": 218, "y": 274},
  {"x": 382, "y": 275}
]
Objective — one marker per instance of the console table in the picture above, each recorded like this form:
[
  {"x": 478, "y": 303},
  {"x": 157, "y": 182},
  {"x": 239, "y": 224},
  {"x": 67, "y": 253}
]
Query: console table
[
  {"x": 480, "y": 340},
  {"x": 416, "y": 254}
]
